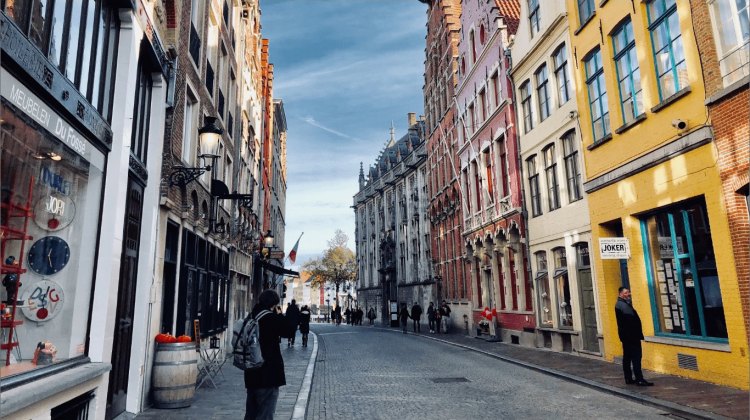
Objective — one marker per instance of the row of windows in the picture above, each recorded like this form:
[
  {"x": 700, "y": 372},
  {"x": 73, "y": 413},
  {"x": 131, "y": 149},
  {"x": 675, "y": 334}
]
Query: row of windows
[
  {"x": 541, "y": 82},
  {"x": 549, "y": 163}
]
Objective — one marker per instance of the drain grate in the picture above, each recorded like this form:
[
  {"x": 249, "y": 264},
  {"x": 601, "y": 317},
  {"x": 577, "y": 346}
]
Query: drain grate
[{"x": 449, "y": 380}]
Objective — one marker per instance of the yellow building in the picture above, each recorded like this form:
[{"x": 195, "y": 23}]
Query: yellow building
[{"x": 652, "y": 177}]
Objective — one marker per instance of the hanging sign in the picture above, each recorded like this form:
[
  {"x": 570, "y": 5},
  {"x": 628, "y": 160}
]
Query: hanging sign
[
  {"x": 42, "y": 300},
  {"x": 614, "y": 248}
]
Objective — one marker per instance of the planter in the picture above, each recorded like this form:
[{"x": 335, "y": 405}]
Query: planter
[{"x": 174, "y": 375}]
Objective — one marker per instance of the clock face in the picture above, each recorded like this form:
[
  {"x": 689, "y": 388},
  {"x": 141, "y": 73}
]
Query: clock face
[
  {"x": 54, "y": 212},
  {"x": 49, "y": 255}
]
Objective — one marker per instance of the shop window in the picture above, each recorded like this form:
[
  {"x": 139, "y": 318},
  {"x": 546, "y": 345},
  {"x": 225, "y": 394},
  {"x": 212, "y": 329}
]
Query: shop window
[
  {"x": 628, "y": 73},
  {"x": 681, "y": 267},
  {"x": 666, "y": 39},
  {"x": 562, "y": 284},
  {"x": 597, "y": 92},
  {"x": 542, "y": 282},
  {"x": 731, "y": 24},
  {"x": 49, "y": 212}
]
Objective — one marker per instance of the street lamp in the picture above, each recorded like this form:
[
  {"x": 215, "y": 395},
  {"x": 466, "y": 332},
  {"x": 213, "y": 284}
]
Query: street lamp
[{"x": 209, "y": 137}]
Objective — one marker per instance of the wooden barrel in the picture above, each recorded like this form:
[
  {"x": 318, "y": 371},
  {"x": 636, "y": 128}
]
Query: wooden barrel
[{"x": 174, "y": 375}]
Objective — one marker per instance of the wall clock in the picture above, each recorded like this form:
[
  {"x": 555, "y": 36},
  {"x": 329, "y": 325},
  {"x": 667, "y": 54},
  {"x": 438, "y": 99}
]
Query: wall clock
[
  {"x": 54, "y": 212},
  {"x": 49, "y": 255}
]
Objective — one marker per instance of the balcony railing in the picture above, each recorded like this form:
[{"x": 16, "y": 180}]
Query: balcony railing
[
  {"x": 195, "y": 45},
  {"x": 210, "y": 78}
]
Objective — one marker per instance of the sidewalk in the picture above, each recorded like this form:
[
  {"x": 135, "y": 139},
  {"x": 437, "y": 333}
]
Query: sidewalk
[
  {"x": 690, "y": 398},
  {"x": 227, "y": 400}
]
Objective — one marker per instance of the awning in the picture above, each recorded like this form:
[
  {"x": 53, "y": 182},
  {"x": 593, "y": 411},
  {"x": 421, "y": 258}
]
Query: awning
[{"x": 278, "y": 269}]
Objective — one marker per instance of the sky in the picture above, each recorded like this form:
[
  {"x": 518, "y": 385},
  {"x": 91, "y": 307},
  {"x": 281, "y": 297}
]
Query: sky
[{"x": 346, "y": 70}]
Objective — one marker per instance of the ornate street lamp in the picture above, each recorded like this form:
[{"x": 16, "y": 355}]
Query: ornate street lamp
[{"x": 209, "y": 137}]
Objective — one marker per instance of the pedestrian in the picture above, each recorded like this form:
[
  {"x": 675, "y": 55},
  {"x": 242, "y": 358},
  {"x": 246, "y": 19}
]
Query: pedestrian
[
  {"x": 304, "y": 324},
  {"x": 431, "y": 317},
  {"x": 263, "y": 383},
  {"x": 292, "y": 314},
  {"x": 348, "y": 315},
  {"x": 631, "y": 333},
  {"x": 438, "y": 320},
  {"x": 371, "y": 315},
  {"x": 404, "y": 317},
  {"x": 416, "y": 316},
  {"x": 338, "y": 315},
  {"x": 360, "y": 315},
  {"x": 445, "y": 316},
  {"x": 333, "y": 316}
]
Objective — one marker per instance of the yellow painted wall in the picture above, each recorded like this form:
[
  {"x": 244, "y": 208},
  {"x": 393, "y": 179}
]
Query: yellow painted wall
[{"x": 688, "y": 175}]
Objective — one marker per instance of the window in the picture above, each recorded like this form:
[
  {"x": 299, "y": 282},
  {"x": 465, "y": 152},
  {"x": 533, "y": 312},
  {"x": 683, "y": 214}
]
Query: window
[
  {"x": 550, "y": 170},
  {"x": 542, "y": 280},
  {"x": 490, "y": 178},
  {"x": 628, "y": 73},
  {"x": 495, "y": 90},
  {"x": 483, "y": 104},
  {"x": 560, "y": 57},
  {"x": 505, "y": 188},
  {"x": 597, "y": 95},
  {"x": 473, "y": 46},
  {"x": 536, "y": 199},
  {"x": 585, "y": 11},
  {"x": 528, "y": 117},
  {"x": 572, "y": 172},
  {"x": 189, "y": 131},
  {"x": 681, "y": 266},
  {"x": 472, "y": 119},
  {"x": 542, "y": 92},
  {"x": 534, "y": 17},
  {"x": 666, "y": 39},
  {"x": 141, "y": 113},
  {"x": 562, "y": 284},
  {"x": 732, "y": 29}
]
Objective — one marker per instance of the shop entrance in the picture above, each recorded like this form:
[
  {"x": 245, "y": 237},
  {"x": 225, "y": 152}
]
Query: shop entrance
[
  {"x": 585, "y": 282},
  {"x": 123, "y": 334}
]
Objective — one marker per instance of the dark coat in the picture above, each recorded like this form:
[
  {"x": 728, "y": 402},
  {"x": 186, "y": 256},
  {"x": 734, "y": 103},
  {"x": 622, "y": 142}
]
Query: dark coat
[
  {"x": 304, "y": 321},
  {"x": 431, "y": 313},
  {"x": 628, "y": 322},
  {"x": 445, "y": 310},
  {"x": 271, "y": 374},
  {"x": 416, "y": 312},
  {"x": 293, "y": 316},
  {"x": 404, "y": 315}
]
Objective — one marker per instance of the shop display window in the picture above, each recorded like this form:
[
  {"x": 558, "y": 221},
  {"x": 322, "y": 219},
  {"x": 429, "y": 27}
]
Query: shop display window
[
  {"x": 681, "y": 265},
  {"x": 565, "y": 311},
  {"x": 542, "y": 281},
  {"x": 51, "y": 184}
]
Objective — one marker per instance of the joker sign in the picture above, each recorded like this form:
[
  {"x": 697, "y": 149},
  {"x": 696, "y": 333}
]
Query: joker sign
[{"x": 42, "y": 300}]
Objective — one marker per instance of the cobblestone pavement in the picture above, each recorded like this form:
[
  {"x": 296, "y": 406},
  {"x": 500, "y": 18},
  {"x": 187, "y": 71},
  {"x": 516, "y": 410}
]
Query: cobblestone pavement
[
  {"x": 227, "y": 401},
  {"x": 372, "y": 373}
]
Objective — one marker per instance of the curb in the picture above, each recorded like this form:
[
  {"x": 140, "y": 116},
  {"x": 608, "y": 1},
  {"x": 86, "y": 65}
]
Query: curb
[
  {"x": 300, "y": 407},
  {"x": 687, "y": 412}
]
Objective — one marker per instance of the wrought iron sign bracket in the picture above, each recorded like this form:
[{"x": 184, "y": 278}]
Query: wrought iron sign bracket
[{"x": 181, "y": 176}]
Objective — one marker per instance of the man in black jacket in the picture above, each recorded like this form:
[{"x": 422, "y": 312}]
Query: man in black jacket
[
  {"x": 263, "y": 383},
  {"x": 416, "y": 316},
  {"x": 292, "y": 316},
  {"x": 631, "y": 333}
]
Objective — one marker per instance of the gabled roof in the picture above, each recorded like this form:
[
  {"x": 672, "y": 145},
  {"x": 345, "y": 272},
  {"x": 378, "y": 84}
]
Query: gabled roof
[
  {"x": 395, "y": 151},
  {"x": 510, "y": 10}
]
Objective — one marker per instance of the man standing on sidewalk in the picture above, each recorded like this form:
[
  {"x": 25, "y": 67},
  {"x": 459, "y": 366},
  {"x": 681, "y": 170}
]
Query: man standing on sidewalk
[
  {"x": 445, "y": 316},
  {"x": 263, "y": 383},
  {"x": 416, "y": 316},
  {"x": 631, "y": 333}
]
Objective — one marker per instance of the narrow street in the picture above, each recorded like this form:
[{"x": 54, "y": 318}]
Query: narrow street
[{"x": 374, "y": 373}]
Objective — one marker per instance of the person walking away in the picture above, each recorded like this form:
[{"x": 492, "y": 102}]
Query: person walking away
[
  {"x": 431, "y": 317},
  {"x": 445, "y": 316},
  {"x": 404, "y": 317},
  {"x": 631, "y": 333},
  {"x": 304, "y": 324},
  {"x": 338, "y": 315},
  {"x": 438, "y": 319},
  {"x": 263, "y": 383},
  {"x": 416, "y": 316},
  {"x": 360, "y": 315},
  {"x": 348, "y": 315},
  {"x": 292, "y": 315},
  {"x": 371, "y": 316}
]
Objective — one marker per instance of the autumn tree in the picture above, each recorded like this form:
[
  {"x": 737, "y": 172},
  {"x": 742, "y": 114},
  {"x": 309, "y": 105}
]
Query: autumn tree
[{"x": 337, "y": 266}]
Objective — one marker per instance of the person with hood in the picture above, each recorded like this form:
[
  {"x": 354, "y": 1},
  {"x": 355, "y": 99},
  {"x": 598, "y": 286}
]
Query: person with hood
[
  {"x": 404, "y": 317},
  {"x": 263, "y": 383},
  {"x": 631, "y": 333},
  {"x": 416, "y": 316},
  {"x": 293, "y": 316},
  {"x": 304, "y": 324}
]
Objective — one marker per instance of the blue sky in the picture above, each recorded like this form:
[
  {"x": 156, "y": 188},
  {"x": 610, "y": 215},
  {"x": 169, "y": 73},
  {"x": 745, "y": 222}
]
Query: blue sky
[{"x": 345, "y": 70}]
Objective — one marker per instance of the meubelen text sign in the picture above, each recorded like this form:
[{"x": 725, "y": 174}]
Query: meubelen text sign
[{"x": 614, "y": 248}]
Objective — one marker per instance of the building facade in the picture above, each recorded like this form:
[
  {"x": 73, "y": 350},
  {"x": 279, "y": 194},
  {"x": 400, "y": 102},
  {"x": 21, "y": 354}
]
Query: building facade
[
  {"x": 392, "y": 233},
  {"x": 653, "y": 180},
  {"x": 550, "y": 146},
  {"x": 445, "y": 196}
]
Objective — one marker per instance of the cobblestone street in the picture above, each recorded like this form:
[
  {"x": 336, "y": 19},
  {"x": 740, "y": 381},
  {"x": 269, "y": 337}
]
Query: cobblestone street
[{"x": 365, "y": 372}]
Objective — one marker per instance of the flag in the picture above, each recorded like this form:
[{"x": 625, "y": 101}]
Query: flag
[{"x": 293, "y": 252}]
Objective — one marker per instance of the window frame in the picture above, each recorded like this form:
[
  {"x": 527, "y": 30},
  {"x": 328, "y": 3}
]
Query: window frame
[
  {"x": 626, "y": 54},
  {"x": 653, "y": 25},
  {"x": 583, "y": 18},
  {"x": 560, "y": 61},
  {"x": 526, "y": 106},
  {"x": 533, "y": 178},
  {"x": 598, "y": 78},
  {"x": 534, "y": 21},
  {"x": 728, "y": 75},
  {"x": 572, "y": 168},
  {"x": 541, "y": 76},
  {"x": 550, "y": 175}
]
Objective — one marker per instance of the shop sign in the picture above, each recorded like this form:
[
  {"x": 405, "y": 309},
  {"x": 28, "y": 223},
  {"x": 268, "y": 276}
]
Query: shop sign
[
  {"x": 42, "y": 300},
  {"x": 666, "y": 250},
  {"x": 17, "y": 94},
  {"x": 614, "y": 248}
]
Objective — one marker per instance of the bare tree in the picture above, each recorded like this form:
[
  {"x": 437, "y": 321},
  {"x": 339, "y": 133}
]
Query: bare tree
[{"x": 337, "y": 266}]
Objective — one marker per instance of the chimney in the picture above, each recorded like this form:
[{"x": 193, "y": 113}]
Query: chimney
[{"x": 412, "y": 119}]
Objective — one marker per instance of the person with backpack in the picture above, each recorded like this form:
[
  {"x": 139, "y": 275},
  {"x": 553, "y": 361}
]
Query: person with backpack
[
  {"x": 263, "y": 380},
  {"x": 304, "y": 324},
  {"x": 292, "y": 316}
]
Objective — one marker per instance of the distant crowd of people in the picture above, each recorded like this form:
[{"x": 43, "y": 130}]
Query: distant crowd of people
[{"x": 438, "y": 319}]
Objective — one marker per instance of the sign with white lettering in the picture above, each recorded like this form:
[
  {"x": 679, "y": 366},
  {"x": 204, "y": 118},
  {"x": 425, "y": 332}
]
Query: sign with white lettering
[{"x": 614, "y": 248}]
